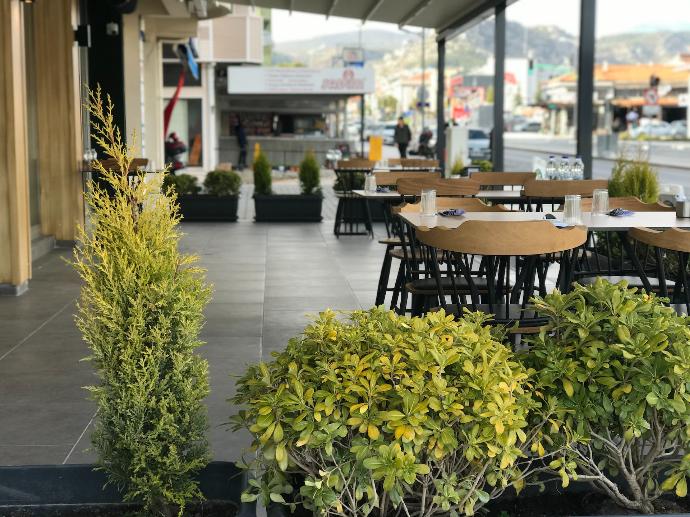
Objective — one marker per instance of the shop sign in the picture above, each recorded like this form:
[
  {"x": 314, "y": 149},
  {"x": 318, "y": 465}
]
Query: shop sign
[{"x": 295, "y": 81}]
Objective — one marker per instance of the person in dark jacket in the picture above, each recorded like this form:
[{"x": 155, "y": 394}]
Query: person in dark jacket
[
  {"x": 241, "y": 135},
  {"x": 402, "y": 137}
]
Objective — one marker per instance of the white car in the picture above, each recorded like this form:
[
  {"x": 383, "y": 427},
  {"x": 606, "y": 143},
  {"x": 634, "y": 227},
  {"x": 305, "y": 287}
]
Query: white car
[
  {"x": 478, "y": 144},
  {"x": 679, "y": 128},
  {"x": 654, "y": 128}
]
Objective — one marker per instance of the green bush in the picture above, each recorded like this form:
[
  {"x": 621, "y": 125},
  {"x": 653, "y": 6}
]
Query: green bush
[
  {"x": 484, "y": 165},
  {"x": 181, "y": 184},
  {"x": 309, "y": 174},
  {"x": 262, "y": 174},
  {"x": 140, "y": 311},
  {"x": 223, "y": 183},
  {"x": 634, "y": 177},
  {"x": 618, "y": 361},
  {"x": 390, "y": 412},
  {"x": 458, "y": 168}
]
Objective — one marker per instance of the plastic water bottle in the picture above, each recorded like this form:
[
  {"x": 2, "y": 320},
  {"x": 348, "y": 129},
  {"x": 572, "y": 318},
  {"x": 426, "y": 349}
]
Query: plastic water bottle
[
  {"x": 550, "y": 169},
  {"x": 578, "y": 169},
  {"x": 564, "y": 169}
]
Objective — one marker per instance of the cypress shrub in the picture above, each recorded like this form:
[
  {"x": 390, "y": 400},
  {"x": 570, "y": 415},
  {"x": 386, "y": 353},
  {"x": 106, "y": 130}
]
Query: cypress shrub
[
  {"x": 140, "y": 312},
  {"x": 262, "y": 174},
  {"x": 309, "y": 174}
]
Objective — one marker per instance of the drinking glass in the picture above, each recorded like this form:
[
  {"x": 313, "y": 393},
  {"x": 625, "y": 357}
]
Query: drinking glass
[
  {"x": 600, "y": 201},
  {"x": 370, "y": 183},
  {"x": 429, "y": 202},
  {"x": 572, "y": 211}
]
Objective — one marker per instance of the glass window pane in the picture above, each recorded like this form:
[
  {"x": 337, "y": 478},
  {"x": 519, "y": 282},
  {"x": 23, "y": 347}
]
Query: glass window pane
[
  {"x": 171, "y": 74},
  {"x": 186, "y": 123},
  {"x": 540, "y": 82}
]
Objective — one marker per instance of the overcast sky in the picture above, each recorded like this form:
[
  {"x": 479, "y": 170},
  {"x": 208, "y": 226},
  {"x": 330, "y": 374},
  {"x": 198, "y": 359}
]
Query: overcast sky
[{"x": 613, "y": 16}]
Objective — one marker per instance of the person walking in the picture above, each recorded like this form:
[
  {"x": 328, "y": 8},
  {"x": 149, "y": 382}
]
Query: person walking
[
  {"x": 241, "y": 135},
  {"x": 402, "y": 137}
]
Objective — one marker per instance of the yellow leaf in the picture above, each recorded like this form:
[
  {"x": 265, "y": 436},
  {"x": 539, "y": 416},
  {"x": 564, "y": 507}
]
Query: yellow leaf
[
  {"x": 399, "y": 431},
  {"x": 499, "y": 428},
  {"x": 408, "y": 435},
  {"x": 540, "y": 449},
  {"x": 373, "y": 432},
  {"x": 568, "y": 387},
  {"x": 682, "y": 487}
]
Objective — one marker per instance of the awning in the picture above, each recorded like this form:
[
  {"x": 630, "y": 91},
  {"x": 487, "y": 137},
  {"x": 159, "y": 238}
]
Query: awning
[
  {"x": 442, "y": 15},
  {"x": 636, "y": 102}
]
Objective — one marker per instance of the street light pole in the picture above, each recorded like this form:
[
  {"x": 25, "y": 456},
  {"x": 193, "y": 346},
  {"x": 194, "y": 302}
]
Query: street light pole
[{"x": 423, "y": 99}]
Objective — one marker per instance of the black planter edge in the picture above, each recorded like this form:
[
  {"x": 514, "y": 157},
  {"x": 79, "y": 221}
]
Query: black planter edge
[
  {"x": 198, "y": 200},
  {"x": 81, "y": 485},
  {"x": 296, "y": 198}
]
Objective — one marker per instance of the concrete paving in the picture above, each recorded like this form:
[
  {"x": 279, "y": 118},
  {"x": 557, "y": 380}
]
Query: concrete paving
[{"x": 267, "y": 278}]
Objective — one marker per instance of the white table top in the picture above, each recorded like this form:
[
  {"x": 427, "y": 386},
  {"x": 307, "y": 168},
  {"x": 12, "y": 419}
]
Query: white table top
[
  {"x": 493, "y": 194},
  {"x": 592, "y": 222}
]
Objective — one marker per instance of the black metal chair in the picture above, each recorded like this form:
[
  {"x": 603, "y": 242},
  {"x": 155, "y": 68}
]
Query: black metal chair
[{"x": 511, "y": 254}]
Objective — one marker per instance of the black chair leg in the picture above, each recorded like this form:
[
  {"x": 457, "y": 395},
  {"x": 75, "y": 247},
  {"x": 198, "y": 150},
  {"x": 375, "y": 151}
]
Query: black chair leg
[
  {"x": 398, "y": 287},
  {"x": 417, "y": 305},
  {"x": 384, "y": 276}
]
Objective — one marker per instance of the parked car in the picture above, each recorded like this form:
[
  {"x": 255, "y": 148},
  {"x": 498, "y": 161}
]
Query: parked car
[
  {"x": 389, "y": 133},
  {"x": 531, "y": 126},
  {"x": 479, "y": 145},
  {"x": 653, "y": 129},
  {"x": 679, "y": 129}
]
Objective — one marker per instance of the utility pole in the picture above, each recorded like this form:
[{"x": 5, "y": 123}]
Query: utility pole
[{"x": 423, "y": 95}]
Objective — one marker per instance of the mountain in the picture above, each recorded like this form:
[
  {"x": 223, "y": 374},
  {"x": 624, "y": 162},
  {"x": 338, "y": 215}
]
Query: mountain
[
  {"x": 391, "y": 50},
  {"x": 320, "y": 50},
  {"x": 643, "y": 47}
]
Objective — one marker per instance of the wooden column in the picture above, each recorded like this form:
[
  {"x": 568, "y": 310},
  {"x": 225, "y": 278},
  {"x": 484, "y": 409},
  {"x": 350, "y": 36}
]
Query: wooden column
[
  {"x": 58, "y": 109},
  {"x": 15, "y": 232}
]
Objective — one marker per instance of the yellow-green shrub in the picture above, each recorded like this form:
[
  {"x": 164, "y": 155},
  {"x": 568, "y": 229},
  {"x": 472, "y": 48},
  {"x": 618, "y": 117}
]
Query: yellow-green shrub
[
  {"x": 618, "y": 361},
  {"x": 386, "y": 411},
  {"x": 140, "y": 311}
]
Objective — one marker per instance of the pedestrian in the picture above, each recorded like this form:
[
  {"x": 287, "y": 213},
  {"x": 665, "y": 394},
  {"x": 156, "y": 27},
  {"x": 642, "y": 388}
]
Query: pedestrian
[
  {"x": 241, "y": 135},
  {"x": 402, "y": 137}
]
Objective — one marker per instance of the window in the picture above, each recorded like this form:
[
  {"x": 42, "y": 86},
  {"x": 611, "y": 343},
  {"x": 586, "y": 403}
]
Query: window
[
  {"x": 186, "y": 122},
  {"x": 172, "y": 68}
]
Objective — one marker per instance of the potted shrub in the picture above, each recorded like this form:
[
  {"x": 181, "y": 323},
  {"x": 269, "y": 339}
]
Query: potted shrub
[
  {"x": 634, "y": 177},
  {"x": 218, "y": 202},
  {"x": 140, "y": 312},
  {"x": 618, "y": 362},
  {"x": 303, "y": 207},
  {"x": 392, "y": 415}
]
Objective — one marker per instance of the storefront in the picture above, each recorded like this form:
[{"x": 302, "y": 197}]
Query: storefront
[{"x": 288, "y": 111}]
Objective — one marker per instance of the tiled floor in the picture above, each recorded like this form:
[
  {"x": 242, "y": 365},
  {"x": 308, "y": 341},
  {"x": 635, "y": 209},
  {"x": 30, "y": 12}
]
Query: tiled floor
[{"x": 267, "y": 278}]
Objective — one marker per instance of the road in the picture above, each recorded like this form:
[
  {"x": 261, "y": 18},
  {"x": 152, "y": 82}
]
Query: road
[{"x": 670, "y": 159}]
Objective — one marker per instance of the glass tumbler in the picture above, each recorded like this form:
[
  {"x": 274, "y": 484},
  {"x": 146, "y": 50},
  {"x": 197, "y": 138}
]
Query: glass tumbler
[
  {"x": 572, "y": 211},
  {"x": 600, "y": 201},
  {"x": 428, "y": 202}
]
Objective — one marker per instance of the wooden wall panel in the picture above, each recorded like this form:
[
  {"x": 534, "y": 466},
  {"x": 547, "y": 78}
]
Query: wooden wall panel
[
  {"x": 15, "y": 234},
  {"x": 58, "y": 107}
]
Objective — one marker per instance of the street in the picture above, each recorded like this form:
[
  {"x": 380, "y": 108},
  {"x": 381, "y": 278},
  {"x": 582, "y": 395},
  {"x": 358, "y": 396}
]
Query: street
[{"x": 671, "y": 159}]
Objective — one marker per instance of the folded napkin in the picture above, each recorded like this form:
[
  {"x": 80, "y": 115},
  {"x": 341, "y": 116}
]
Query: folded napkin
[
  {"x": 556, "y": 222},
  {"x": 383, "y": 190},
  {"x": 451, "y": 212},
  {"x": 620, "y": 212}
]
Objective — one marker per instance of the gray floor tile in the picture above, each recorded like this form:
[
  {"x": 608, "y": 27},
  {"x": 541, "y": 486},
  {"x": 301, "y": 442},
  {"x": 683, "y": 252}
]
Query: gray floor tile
[{"x": 267, "y": 279}]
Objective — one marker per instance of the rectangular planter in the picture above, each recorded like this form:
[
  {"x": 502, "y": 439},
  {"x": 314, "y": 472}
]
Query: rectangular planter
[
  {"x": 204, "y": 207},
  {"x": 79, "y": 490},
  {"x": 288, "y": 208}
]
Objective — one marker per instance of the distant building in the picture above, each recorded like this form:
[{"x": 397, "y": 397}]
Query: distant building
[{"x": 619, "y": 89}]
